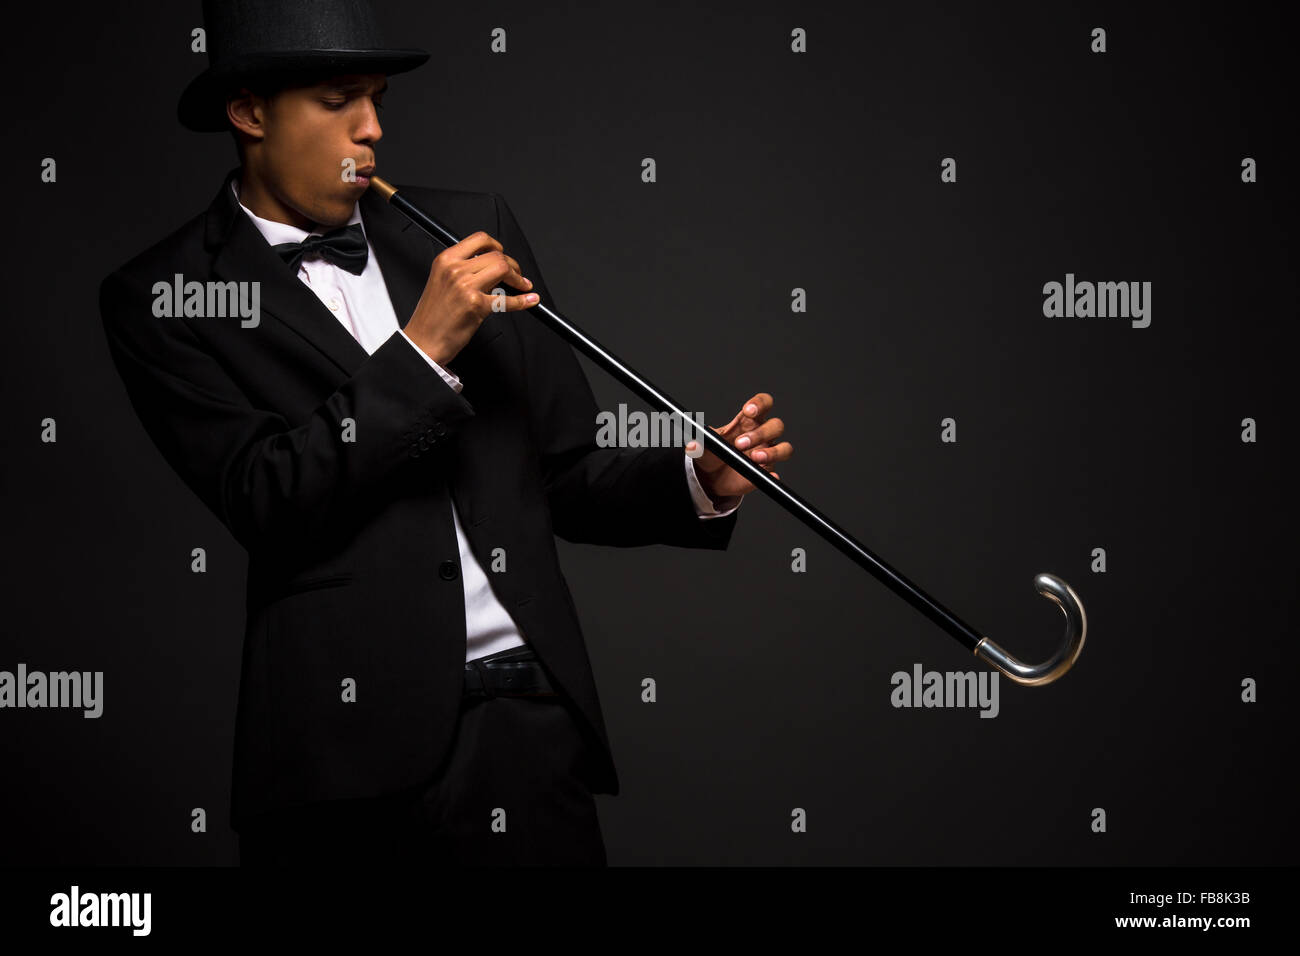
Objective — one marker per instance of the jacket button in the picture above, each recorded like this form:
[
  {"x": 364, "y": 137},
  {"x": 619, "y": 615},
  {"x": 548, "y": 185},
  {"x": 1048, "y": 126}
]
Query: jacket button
[
  {"x": 439, "y": 430},
  {"x": 448, "y": 571}
]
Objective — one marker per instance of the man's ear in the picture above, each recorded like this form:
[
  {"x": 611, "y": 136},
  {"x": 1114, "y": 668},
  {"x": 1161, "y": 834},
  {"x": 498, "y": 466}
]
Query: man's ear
[{"x": 247, "y": 113}]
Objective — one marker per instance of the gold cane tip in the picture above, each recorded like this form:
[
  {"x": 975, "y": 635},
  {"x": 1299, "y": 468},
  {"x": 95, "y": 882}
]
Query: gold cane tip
[{"x": 383, "y": 187}]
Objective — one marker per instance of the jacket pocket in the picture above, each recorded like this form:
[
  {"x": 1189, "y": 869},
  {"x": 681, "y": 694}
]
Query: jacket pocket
[{"x": 327, "y": 698}]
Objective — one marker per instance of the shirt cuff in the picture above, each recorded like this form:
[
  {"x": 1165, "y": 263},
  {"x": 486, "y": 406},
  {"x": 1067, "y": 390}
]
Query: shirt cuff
[
  {"x": 448, "y": 377},
  {"x": 703, "y": 504}
]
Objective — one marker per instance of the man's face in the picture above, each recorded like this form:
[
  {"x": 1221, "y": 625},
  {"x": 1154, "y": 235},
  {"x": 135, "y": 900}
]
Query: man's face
[{"x": 306, "y": 134}]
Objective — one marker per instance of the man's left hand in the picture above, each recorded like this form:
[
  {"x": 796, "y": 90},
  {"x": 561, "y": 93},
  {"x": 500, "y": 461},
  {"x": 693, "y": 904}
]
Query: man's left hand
[{"x": 752, "y": 432}]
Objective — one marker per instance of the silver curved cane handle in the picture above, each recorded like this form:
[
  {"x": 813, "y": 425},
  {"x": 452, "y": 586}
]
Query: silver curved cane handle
[{"x": 1076, "y": 629}]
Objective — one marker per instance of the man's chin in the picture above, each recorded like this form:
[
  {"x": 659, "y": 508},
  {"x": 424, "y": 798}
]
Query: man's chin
[{"x": 338, "y": 214}]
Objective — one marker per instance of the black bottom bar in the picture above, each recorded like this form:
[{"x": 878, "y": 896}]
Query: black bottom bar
[{"x": 910, "y": 906}]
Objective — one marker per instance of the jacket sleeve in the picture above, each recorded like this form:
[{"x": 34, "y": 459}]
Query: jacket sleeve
[
  {"x": 267, "y": 482},
  {"x": 611, "y": 496}
]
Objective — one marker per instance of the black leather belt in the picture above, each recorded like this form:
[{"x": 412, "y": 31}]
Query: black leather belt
[{"x": 515, "y": 672}]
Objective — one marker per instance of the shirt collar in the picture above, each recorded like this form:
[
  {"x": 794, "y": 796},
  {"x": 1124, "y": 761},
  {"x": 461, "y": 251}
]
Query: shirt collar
[{"x": 277, "y": 232}]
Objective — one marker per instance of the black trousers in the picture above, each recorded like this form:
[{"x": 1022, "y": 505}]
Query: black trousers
[{"x": 512, "y": 791}]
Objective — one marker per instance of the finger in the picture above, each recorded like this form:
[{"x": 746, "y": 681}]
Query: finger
[
  {"x": 493, "y": 267},
  {"x": 507, "y": 266},
  {"x": 513, "y": 303},
  {"x": 766, "y": 432},
  {"x": 757, "y": 407},
  {"x": 749, "y": 415},
  {"x": 771, "y": 453},
  {"x": 517, "y": 280},
  {"x": 743, "y": 422},
  {"x": 473, "y": 244}
]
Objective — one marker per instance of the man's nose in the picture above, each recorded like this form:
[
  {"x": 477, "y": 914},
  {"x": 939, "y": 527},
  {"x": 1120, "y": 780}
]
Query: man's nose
[{"x": 369, "y": 131}]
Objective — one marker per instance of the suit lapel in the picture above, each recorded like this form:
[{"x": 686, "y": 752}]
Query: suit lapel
[
  {"x": 404, "y": 251},
  {"x": 242, "y": 254},
  {"x": 406, "y": 254}
]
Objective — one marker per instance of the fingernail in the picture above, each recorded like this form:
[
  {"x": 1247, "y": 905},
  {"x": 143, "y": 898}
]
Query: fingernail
[
  {"x": 751, "y": 409},
  {"x": 742, "y": 441},
  {"x": 529, "y": 281},
  {"x": 531, "y": 297}
]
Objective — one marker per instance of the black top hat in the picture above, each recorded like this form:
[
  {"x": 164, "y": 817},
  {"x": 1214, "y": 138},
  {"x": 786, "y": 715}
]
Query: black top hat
[{"x": 250, "y": 38}]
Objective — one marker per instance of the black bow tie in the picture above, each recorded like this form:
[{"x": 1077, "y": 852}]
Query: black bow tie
[{"x": 345, "y": 247}]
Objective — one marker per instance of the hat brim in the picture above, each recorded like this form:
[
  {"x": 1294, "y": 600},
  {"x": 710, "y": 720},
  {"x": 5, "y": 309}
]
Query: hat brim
[{"x": 202, "y": 106}]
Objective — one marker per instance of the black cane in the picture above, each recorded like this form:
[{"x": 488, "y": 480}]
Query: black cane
[{"x": 1048, "y": 585}]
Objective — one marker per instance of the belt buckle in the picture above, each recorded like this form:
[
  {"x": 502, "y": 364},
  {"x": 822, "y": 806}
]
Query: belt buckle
[{"x": 511, "y": 673}]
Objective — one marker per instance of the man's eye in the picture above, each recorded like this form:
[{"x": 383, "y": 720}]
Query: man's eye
[{"x": 332, "y": 105}]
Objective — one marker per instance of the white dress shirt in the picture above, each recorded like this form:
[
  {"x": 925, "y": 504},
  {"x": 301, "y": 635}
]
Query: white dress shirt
[{"x": 362, "y": 304}]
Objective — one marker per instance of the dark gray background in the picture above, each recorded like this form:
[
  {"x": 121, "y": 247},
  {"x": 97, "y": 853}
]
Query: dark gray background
[{"x": 775, "y": 170}]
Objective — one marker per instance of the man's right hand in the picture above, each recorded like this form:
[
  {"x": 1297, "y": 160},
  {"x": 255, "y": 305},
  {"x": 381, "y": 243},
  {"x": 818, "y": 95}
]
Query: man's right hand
[{"x": 456, "y": 298}]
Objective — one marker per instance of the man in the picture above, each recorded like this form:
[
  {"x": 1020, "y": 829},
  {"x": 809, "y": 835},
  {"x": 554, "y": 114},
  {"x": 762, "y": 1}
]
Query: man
[{"x": 380, "y": 435}]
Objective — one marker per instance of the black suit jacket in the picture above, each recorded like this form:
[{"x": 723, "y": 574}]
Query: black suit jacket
[{"x": 353, "y": 560}]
